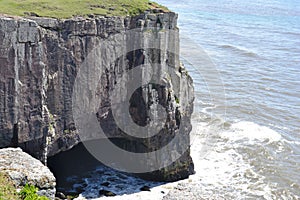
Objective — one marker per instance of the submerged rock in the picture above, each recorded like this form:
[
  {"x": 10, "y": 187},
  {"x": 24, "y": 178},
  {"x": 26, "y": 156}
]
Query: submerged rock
[
  {"x": 60, "y": 195},
  {"x": 23, "y": 169},
  {"x": 105, "y": 184},
  {"x": 145, "y": 188},
  {"x": 106, "y": 193}
]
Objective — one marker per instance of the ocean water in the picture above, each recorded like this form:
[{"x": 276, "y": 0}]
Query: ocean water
[
  {"x": 251, "y": 140},
  {"x": 246, "y": 124}
]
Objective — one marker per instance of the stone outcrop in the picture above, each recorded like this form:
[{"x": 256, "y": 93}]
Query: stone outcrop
[
  {"x": 23, "y": 169},
  {"x": 39, "y": 62}
]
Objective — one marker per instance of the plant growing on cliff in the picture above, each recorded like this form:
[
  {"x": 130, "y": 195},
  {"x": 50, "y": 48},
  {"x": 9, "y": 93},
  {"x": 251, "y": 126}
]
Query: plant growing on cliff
[
  {"x": 177, "y": 100},
  {"x": 9, "y": 192},
  {"x": 51, "y": 123},
  {"x": 29, "y": 192}
]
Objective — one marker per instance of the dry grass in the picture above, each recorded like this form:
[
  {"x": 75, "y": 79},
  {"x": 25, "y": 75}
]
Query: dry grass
[{"x": 7, "y": 189}]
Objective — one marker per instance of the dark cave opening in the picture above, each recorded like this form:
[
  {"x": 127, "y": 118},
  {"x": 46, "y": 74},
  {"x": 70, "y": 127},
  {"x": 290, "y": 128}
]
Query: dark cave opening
[{"x": 72, "y": 167}]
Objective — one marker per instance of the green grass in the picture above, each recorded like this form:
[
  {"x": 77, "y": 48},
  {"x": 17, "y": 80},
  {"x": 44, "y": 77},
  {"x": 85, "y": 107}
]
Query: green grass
[
  {"x": 29, "y": 192},
  {"x": 70, "y": 8},
  {"x": 7, "y": 189}
]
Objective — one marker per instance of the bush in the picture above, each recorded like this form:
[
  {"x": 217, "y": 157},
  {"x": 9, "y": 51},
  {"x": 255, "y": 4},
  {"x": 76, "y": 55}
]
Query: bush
[{"x": 29, "y": 192}]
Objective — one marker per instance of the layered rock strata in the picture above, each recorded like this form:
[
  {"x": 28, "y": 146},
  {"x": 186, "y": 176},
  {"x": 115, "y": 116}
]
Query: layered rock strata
[{"x": 40, "y": 59}]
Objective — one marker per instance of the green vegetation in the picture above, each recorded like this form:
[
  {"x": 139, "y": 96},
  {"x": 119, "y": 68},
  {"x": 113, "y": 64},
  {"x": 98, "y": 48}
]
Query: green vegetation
[
  {"x": 69, "y": 8},
  {"x": 51, "y": 123},
  {"x": 8, "y": 191},
  {"x": 67, "y": 131},
  {"x": 177, "y": 99},
  {"x": 29, "y": 192}
]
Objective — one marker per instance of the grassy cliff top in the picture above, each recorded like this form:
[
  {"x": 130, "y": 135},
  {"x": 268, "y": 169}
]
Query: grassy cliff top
[{"x": 70, "y": 8}]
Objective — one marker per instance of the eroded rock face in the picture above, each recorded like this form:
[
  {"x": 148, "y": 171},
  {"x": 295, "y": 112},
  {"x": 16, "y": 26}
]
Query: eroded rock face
[
  {"x": 23, "y": 169},
  {"x": 40, "y": 59}
]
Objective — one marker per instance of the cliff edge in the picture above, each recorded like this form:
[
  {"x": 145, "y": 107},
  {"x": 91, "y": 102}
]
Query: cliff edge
[{"x": 40, "y": 61}]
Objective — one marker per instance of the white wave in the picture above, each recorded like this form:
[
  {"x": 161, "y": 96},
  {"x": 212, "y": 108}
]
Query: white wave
[
  {"x": 227, "y": 175},
  {"x": 221, "y": 170},
  {"x": 292, "y": 142},
  {"x": 156, "y": 193},
  {"x": 251, "y": 132}
]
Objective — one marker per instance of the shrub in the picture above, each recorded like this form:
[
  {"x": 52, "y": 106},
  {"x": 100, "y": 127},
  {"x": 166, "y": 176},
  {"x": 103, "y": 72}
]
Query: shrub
[{"x": 29, "y": 192}]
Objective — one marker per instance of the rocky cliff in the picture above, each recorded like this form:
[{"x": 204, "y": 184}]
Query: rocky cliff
[{"x": 40, "y": 59}]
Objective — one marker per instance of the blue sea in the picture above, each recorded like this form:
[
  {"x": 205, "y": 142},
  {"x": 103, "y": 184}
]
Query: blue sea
[
  {"x": 250, "y": 139},
  {"x": 246, "y": 124}
]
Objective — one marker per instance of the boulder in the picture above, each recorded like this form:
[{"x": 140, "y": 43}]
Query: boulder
[{"x": 23, "y": 169}]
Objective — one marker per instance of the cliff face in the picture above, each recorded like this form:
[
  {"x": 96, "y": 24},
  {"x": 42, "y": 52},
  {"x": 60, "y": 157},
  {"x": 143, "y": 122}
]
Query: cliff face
[{"x": 40, "y": 60}]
